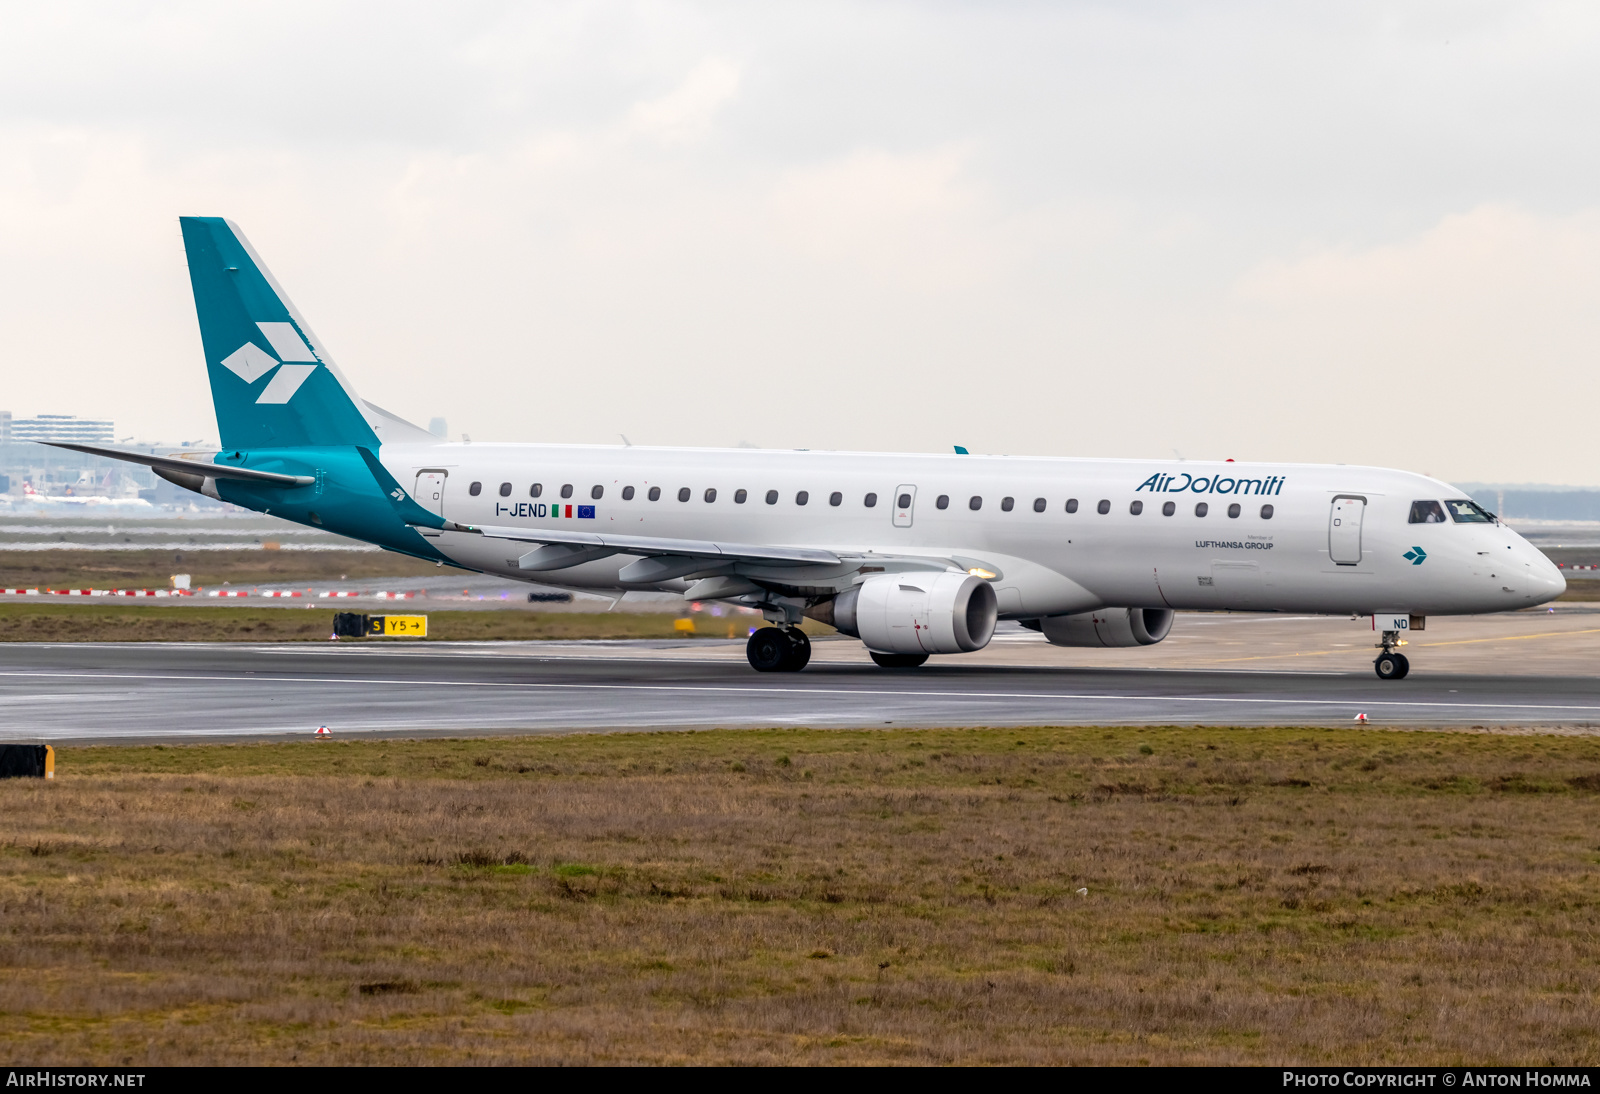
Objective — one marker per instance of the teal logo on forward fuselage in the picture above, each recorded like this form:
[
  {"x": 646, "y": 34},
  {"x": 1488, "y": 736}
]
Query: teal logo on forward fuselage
[{"x": 1417, "y": 556}]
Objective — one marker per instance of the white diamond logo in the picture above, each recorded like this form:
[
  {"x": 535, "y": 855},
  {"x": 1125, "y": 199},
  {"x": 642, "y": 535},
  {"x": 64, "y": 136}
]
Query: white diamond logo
[
  {"x": 286, "y": 383},
  {"x": 286, "y": 342},
  {"x": 249, "y": 362}
]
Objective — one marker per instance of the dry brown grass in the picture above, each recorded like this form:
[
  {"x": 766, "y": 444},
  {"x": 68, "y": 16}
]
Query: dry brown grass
[
  {"x": 807, "y": 896},
  {"x": 74, "y": 569}
]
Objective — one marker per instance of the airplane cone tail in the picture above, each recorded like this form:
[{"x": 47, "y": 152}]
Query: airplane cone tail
[{"x": 272, "y": 382}]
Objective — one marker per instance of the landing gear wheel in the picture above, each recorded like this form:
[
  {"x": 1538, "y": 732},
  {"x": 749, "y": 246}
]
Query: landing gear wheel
[
  {"x": 1391, "y": 666},
  {"x": 772, "y": 649},
  {"x": 799, "y": 650},
  {"x": 898, "y": 660},
  {"x": 767, "y": 650}
]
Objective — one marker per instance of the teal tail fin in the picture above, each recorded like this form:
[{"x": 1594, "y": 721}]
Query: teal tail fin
[{"x": 272, "y": 383}]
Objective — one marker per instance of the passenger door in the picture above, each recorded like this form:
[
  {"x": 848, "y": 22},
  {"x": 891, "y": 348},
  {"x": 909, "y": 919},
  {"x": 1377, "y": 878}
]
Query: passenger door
[
  {"x": 430, "y": 490},
  {"x": 1344, "y": 529},
  {"x": 905, "y": 500}
]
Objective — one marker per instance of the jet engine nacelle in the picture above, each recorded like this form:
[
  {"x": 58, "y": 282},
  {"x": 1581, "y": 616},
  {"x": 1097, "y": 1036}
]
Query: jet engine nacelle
[
  {"x": 918, "y": 612},
  {"x": 1108, "y": 628}
]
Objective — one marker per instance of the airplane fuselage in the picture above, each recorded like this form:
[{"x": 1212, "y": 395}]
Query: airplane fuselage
[
  {"x": 1061, "y": 535},
  {"x": 914, "y": 555}
]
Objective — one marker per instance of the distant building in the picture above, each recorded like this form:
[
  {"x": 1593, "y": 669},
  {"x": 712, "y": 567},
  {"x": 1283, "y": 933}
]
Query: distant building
[{"x": 56, "y": 427}]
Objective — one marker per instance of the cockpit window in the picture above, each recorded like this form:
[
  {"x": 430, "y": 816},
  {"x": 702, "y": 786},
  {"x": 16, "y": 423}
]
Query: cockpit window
[
  {"x": 1465, "y": 512},
  {"x": 1426, "y": 512}
]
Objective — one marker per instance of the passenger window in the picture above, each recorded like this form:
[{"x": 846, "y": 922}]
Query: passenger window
[
  {"x": 1465, "y": 512},
  {"x": 566, "y": 491},
  {"x": 836, "y": 498},
  {"x": 870, "y": 500},
  {"x": 975, "y": 503},
  {"x": 1007, "y": 504},
  {"x": 1136, "y": 508},
  {"x": 1169, "y": 508},
  {"x": 627, "y": 493},
  {"x": 904, "y": 501},
  {"x": 1266, "y": 512},
  {"x": 1426, "y": 512},
  {"x": 739, "y": 496},
  {"x": 597, "y": 492},
  {"x": 536, "y": 489},
  {"x": 802, "y": 497},
  {"x": 1103, "y": 508},
  {"x": 1233, "y": 510},
  {"x": 655, "y": 493},
  {"x": 1072, "y": 505},
  {"x": 683, "y": 493},
  {"x": 772, "y": 497},
  {"x": 942, "y": 501},
  {"x": 711, "y": 494},
  {"x": 475, "y": 489},
  {"x": 505, "y": 490},
  {"x": 1038, "y": 505},
  {"x": 1201, "y": 509}
]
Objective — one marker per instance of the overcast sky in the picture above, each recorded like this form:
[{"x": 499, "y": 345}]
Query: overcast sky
[{"x": 1355, "y": 233}]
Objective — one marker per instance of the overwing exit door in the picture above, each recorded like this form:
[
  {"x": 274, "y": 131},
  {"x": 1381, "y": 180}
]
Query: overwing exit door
[
  {"x": 430, "y": 491},
  {"x": 905, "y": 500},
  {"x": 1344, "y": 529}
]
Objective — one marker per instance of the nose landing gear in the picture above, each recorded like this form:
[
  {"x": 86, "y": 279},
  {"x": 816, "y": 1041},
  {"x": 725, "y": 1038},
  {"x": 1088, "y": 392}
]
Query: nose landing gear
[
  {"x": 1391, "y": 665},
  {"x": 778, "y": 649}
]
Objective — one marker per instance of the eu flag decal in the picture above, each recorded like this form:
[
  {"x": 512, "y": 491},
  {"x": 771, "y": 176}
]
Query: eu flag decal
[{"x": 586, "y": 511}]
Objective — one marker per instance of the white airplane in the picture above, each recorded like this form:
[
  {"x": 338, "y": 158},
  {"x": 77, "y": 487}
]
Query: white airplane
[{"x": 912, "y": 554}]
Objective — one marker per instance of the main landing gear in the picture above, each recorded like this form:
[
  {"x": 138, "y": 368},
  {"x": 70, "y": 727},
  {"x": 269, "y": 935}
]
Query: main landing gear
[
  {"x": 1391, "y": 665},
  {"x": 778, "y": 649}
]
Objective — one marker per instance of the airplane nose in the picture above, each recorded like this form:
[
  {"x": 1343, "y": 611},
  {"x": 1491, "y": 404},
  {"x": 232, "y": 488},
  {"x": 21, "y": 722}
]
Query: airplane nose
[{"x": 1544, "y": 576}]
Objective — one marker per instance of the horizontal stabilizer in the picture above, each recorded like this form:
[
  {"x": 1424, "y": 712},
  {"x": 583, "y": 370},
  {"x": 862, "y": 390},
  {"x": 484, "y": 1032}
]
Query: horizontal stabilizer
[{"x": 197, "y": 468}]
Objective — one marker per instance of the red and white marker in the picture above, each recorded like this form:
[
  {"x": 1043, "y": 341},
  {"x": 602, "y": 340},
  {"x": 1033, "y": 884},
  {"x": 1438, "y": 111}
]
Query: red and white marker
[
  {"x": 322, "y": 731},
  {"x": 1361, "y": 717}
]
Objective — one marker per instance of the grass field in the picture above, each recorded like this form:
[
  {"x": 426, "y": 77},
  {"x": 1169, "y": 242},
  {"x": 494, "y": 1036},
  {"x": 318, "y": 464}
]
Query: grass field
[
  {"x": 74, "y": 569},
  {"x": 1030, "y": 896},
  {"x": 136, "y": 623}
]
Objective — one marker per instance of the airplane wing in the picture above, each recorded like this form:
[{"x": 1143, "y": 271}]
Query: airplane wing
[
  {"x": 654, "y": 545},
  {"x": 196, "y": 468},
  {"x": 664, "y": 559}
]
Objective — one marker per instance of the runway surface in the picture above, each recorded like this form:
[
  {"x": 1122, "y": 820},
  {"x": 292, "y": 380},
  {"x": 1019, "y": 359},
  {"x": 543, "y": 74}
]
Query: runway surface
[{"x": 164, "y": 691}]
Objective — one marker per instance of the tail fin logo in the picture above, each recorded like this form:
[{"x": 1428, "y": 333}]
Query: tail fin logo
[{"x": 250, "y": 362}]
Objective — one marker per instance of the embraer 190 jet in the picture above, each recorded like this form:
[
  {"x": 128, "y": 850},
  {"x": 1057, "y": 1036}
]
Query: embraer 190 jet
[{"x": 912, "y": 554}]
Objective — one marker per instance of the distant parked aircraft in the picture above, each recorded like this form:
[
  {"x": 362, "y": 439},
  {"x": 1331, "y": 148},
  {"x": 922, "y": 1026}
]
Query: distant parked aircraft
[{"x": 32, "y": 497}]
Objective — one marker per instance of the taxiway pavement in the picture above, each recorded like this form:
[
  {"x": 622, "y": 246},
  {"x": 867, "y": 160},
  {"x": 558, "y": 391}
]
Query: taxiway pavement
[{"x": 1520, "y": 670}]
